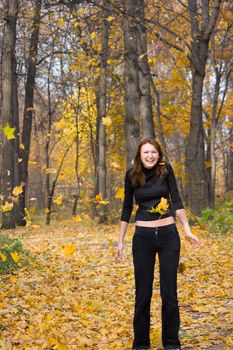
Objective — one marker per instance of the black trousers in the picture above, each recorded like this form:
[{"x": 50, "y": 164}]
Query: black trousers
[{"x": 147, "y": 242}]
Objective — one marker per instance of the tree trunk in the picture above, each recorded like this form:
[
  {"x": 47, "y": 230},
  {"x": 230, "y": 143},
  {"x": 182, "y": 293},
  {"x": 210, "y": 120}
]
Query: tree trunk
[
  {"x": 229, "y": 163},
  {"x": 77, "y": 194},
  {"x": 145, "y": 105},
  {"x": 201, "y": 30},
  {"x": 132, "y": 92},
  {"x": 8, "y": 75},
  {"x": 195, "y": 155},
  {"x": 101, "y": 110},
  {"x": 29, "y": 102}
]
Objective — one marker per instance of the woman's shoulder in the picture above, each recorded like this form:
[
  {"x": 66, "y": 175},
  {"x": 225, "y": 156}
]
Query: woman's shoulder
[
  {"x": 168, "y": 166},
  {"x": 128, "y": 171}
]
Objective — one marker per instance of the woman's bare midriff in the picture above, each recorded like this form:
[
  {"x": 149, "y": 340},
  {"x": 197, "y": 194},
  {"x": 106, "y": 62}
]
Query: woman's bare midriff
[{"x": 155, "y": 223}]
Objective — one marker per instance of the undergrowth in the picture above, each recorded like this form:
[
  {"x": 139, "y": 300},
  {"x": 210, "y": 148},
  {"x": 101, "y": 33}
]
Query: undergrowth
[
  {"x": 12, "y": 254},
  {"x": 219, "y": 220}
]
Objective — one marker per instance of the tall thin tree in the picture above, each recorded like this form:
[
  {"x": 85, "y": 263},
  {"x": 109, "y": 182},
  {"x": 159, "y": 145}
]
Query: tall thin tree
[
  {"x": 8, "y": 81},
  {"x": 29, "y": 104},
  {"x": 132, "y": 92}
]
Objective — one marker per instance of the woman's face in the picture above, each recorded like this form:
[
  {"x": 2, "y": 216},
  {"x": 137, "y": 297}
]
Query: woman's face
[{"x": 149, "y": 155}]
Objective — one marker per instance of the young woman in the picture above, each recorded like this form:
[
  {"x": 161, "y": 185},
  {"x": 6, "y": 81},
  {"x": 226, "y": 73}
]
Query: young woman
[{"x": 152, "y": 182}]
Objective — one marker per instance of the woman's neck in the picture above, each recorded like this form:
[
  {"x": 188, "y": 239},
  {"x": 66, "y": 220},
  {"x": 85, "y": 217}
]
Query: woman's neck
[{"x": 148, "y": 171}]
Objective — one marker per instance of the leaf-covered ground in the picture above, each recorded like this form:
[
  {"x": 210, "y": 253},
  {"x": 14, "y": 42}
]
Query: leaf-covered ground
[{"x": 74, "y": 296}]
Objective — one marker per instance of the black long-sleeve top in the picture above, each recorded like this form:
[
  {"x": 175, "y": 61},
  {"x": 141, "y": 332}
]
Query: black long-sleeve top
[{"x": 150, "y": 195}]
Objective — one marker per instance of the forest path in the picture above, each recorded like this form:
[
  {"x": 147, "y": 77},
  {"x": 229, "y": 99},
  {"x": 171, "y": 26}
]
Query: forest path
[{"x": 74, "y": 296}]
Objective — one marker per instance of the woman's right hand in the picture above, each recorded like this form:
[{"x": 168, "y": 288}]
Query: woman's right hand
[{"x": 119, "y": 250}]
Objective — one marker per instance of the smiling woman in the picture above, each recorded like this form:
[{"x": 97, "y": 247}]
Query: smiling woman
[{"x": 153, "y": 185}]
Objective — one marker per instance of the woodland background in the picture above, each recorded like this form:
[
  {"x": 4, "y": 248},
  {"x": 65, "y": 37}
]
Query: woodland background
[{"x": 83, "y": 81}]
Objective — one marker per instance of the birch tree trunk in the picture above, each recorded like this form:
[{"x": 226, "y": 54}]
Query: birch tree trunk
[{"x": 8, "y": 75}]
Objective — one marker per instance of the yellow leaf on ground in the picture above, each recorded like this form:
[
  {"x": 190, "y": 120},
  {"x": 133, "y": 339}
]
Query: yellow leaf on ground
[
  {"x": 13, "y": 279},
  {"x": 15, "y": 257}
]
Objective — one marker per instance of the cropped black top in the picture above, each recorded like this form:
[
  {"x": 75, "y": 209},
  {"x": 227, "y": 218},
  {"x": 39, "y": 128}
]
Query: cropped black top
[{"x": 150, "y": 194}]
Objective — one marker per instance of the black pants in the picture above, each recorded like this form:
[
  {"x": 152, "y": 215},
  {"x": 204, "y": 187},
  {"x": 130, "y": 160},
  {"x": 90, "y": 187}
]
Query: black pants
[{"x": 147, "y": 242}]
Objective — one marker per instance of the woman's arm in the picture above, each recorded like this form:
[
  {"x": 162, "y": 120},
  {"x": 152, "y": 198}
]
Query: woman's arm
[
  {"x": 181, "y": 213},
  {"x": 120, "y": 246},
  {"x": 125, "y": 216}
]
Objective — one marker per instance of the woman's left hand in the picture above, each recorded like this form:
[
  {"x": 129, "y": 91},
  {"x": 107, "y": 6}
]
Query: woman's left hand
[{"x": 194, "y": 240}]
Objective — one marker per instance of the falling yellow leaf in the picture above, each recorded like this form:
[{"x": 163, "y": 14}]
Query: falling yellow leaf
[
  {"x": 99, "y": 197},
  {"x": 9, "y": 132},
  {"x": 13, "y": 279},
  {"x": 77, "y": 218},
  {"x": 47, "y": 210},
  {"x": 120, "y": 193},
  {"x": 3, "y": 257},
  {"x": 115, "y": 165},
  {"x": 15, "y": 200},
  {"x": 61, "y": 22},
  {"x": 107, "y": 121},
  {"x": 58, "y": 200},
  {"x": 21, "y": 146},
  {"x": 103, "y": 202},
  {"x": 110, "y": 18},
  {"x": 20, "y": 160},
  {"x": 93, "y": 35},
  {"x": 15, "y": 257},
  {"x": 35, "y": 226},
  {"x": 51, "y": 170},
  {"x": 32, "y": 162},
  {"x": 68, "y": 249},
  {"x": 17, "y": 190},
  {"x": 30, "y": 109},
  {"x": 7, "y": 206},
  {"x": 229, "y": 341}
]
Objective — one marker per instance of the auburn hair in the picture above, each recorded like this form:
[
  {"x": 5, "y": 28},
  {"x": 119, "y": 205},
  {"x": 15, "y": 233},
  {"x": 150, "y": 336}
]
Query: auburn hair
[{"x": 136, "y": 175}]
